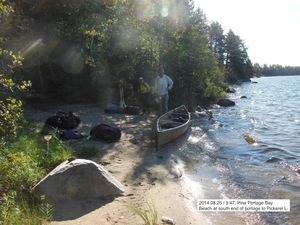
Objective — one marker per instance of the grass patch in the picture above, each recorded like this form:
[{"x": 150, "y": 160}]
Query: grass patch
[
  {"x": 86, "y": 151},
  {"x": 21, "y": 211},
  {"x": 19, "y": 171},
  {"x": 23, "y": 163},
  {"x": 47, "y": 154},
  {"x": 148, "y": 215}
]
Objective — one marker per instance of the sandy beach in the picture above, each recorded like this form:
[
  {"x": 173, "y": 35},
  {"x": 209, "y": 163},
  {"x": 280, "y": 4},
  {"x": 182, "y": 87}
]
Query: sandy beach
[{"x": 149, "y": 176}]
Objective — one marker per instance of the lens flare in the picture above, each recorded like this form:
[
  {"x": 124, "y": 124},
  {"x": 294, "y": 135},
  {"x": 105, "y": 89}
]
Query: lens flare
[
  {"x": 73, "y": 61},
  {"x": 164, "y": 11},
  {"x": 31, "y": 46}
]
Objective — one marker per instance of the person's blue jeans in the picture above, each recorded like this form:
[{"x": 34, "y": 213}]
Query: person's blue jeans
[{"x": 164, "y": 101}]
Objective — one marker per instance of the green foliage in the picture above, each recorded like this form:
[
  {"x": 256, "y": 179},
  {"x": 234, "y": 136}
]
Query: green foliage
[
  {"x": 20, "y": 211},
  {"x": 86, "y": 151},
  {"x": 10, "y": 87},
  {"x": 238, "y": 64},
  {"x": 78, "y": 50},
  {"x": 36, "y": 148},
  {"x": 57, "y": 153},
  {"x": 213, "y": 91},
  {"x": 11, "y": 114},
  {"x": 231, "y": 53},
  {"x": 19, "y": 171},
  {"x": 217, "y": 42},
  {"x": 22, "y": 164},
  {"x": 25, "y": 161},
  {"x": 95, "y": 45}
]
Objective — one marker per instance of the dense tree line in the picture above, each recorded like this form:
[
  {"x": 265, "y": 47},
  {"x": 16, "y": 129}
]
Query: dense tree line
[
  {"x": 275, "y": 70},
  {"x": 78, "y": 50},
  {"x": 231, "y": 53}
]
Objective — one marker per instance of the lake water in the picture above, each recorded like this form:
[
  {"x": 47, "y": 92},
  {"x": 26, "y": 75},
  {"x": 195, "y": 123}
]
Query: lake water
[{"x": 224, "y": 165}]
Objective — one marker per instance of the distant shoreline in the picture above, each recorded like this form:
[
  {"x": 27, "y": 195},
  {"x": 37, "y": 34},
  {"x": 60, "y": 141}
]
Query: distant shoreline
[{"x": 290, "y": 75}]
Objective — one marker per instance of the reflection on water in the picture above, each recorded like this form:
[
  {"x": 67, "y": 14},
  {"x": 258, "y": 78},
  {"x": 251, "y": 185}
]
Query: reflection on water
[{"x": 237, "y": 169}]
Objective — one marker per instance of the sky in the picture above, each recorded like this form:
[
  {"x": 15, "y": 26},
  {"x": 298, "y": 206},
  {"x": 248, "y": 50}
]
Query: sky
[{"x": 270, "y": 28}]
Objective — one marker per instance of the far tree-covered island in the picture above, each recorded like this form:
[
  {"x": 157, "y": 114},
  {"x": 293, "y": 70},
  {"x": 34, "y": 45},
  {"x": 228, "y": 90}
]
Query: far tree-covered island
[{"x": 276, "y": 70}]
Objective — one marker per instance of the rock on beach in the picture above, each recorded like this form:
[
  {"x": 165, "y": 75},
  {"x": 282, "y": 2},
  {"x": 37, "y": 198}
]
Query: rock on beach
[{"x": 78, "y": 179}]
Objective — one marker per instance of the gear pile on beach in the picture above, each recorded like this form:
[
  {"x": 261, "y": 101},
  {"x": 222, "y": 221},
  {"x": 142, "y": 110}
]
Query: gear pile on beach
[{"x": 66, "y": 122}]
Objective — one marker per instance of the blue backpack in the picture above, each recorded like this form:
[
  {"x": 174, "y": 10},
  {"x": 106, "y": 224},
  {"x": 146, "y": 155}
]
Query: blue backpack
[{"x": 70, "y": 134}]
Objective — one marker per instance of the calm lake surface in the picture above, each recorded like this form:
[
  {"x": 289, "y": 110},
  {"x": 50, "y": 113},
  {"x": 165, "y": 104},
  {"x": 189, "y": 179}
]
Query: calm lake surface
[{"x": 227, "y": 166}]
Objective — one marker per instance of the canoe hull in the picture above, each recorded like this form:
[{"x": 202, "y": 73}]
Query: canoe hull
[{"x": 164, "y": 136}]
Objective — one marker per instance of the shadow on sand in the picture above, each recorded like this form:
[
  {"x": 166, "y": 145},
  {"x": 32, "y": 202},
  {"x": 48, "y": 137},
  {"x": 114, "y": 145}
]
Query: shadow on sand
[
  {"x": 167, "y": 157},
  {"x": 73, "y": 209}
]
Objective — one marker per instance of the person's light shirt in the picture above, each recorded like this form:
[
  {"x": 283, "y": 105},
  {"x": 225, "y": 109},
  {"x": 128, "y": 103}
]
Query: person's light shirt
[{"x": 162, "y": 85}]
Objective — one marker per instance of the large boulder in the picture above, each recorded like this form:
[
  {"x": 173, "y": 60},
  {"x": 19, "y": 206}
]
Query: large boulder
[
  {"x": 226, "y": 103},
  {"x": 78, "y": 179}
]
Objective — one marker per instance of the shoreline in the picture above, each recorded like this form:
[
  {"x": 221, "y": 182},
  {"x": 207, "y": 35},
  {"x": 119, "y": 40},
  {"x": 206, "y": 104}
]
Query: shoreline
[{"x": 149, "y": 176}]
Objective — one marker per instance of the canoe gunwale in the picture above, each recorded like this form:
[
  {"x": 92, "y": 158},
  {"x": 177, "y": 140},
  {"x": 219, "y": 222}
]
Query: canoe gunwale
[{"x": 183, "y": 126}]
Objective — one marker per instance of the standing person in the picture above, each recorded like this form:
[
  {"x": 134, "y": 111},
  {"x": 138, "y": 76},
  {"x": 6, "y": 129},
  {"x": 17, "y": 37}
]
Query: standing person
[
  {"x": 163, "y": 83},
  {"x": 144, "y": 94}
]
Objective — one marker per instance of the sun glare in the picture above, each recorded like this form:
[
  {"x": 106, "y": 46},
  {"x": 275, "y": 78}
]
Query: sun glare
[
  {"x": 269, "y": 28},
  {"x": 164, "y": 11}
]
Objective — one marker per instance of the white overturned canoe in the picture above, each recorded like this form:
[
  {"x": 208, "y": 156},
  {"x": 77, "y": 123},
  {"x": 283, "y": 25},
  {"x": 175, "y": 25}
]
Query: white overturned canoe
[{"x": 171, "y": 125}]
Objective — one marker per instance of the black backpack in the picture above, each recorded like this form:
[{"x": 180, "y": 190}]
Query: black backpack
[
  {"x": 63, "y": 120},
  {"x": 106, "y": 133}
]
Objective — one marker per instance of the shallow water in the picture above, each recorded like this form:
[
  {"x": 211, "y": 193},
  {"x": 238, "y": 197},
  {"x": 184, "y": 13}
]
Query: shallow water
[{"x": 221, "y": 160}]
